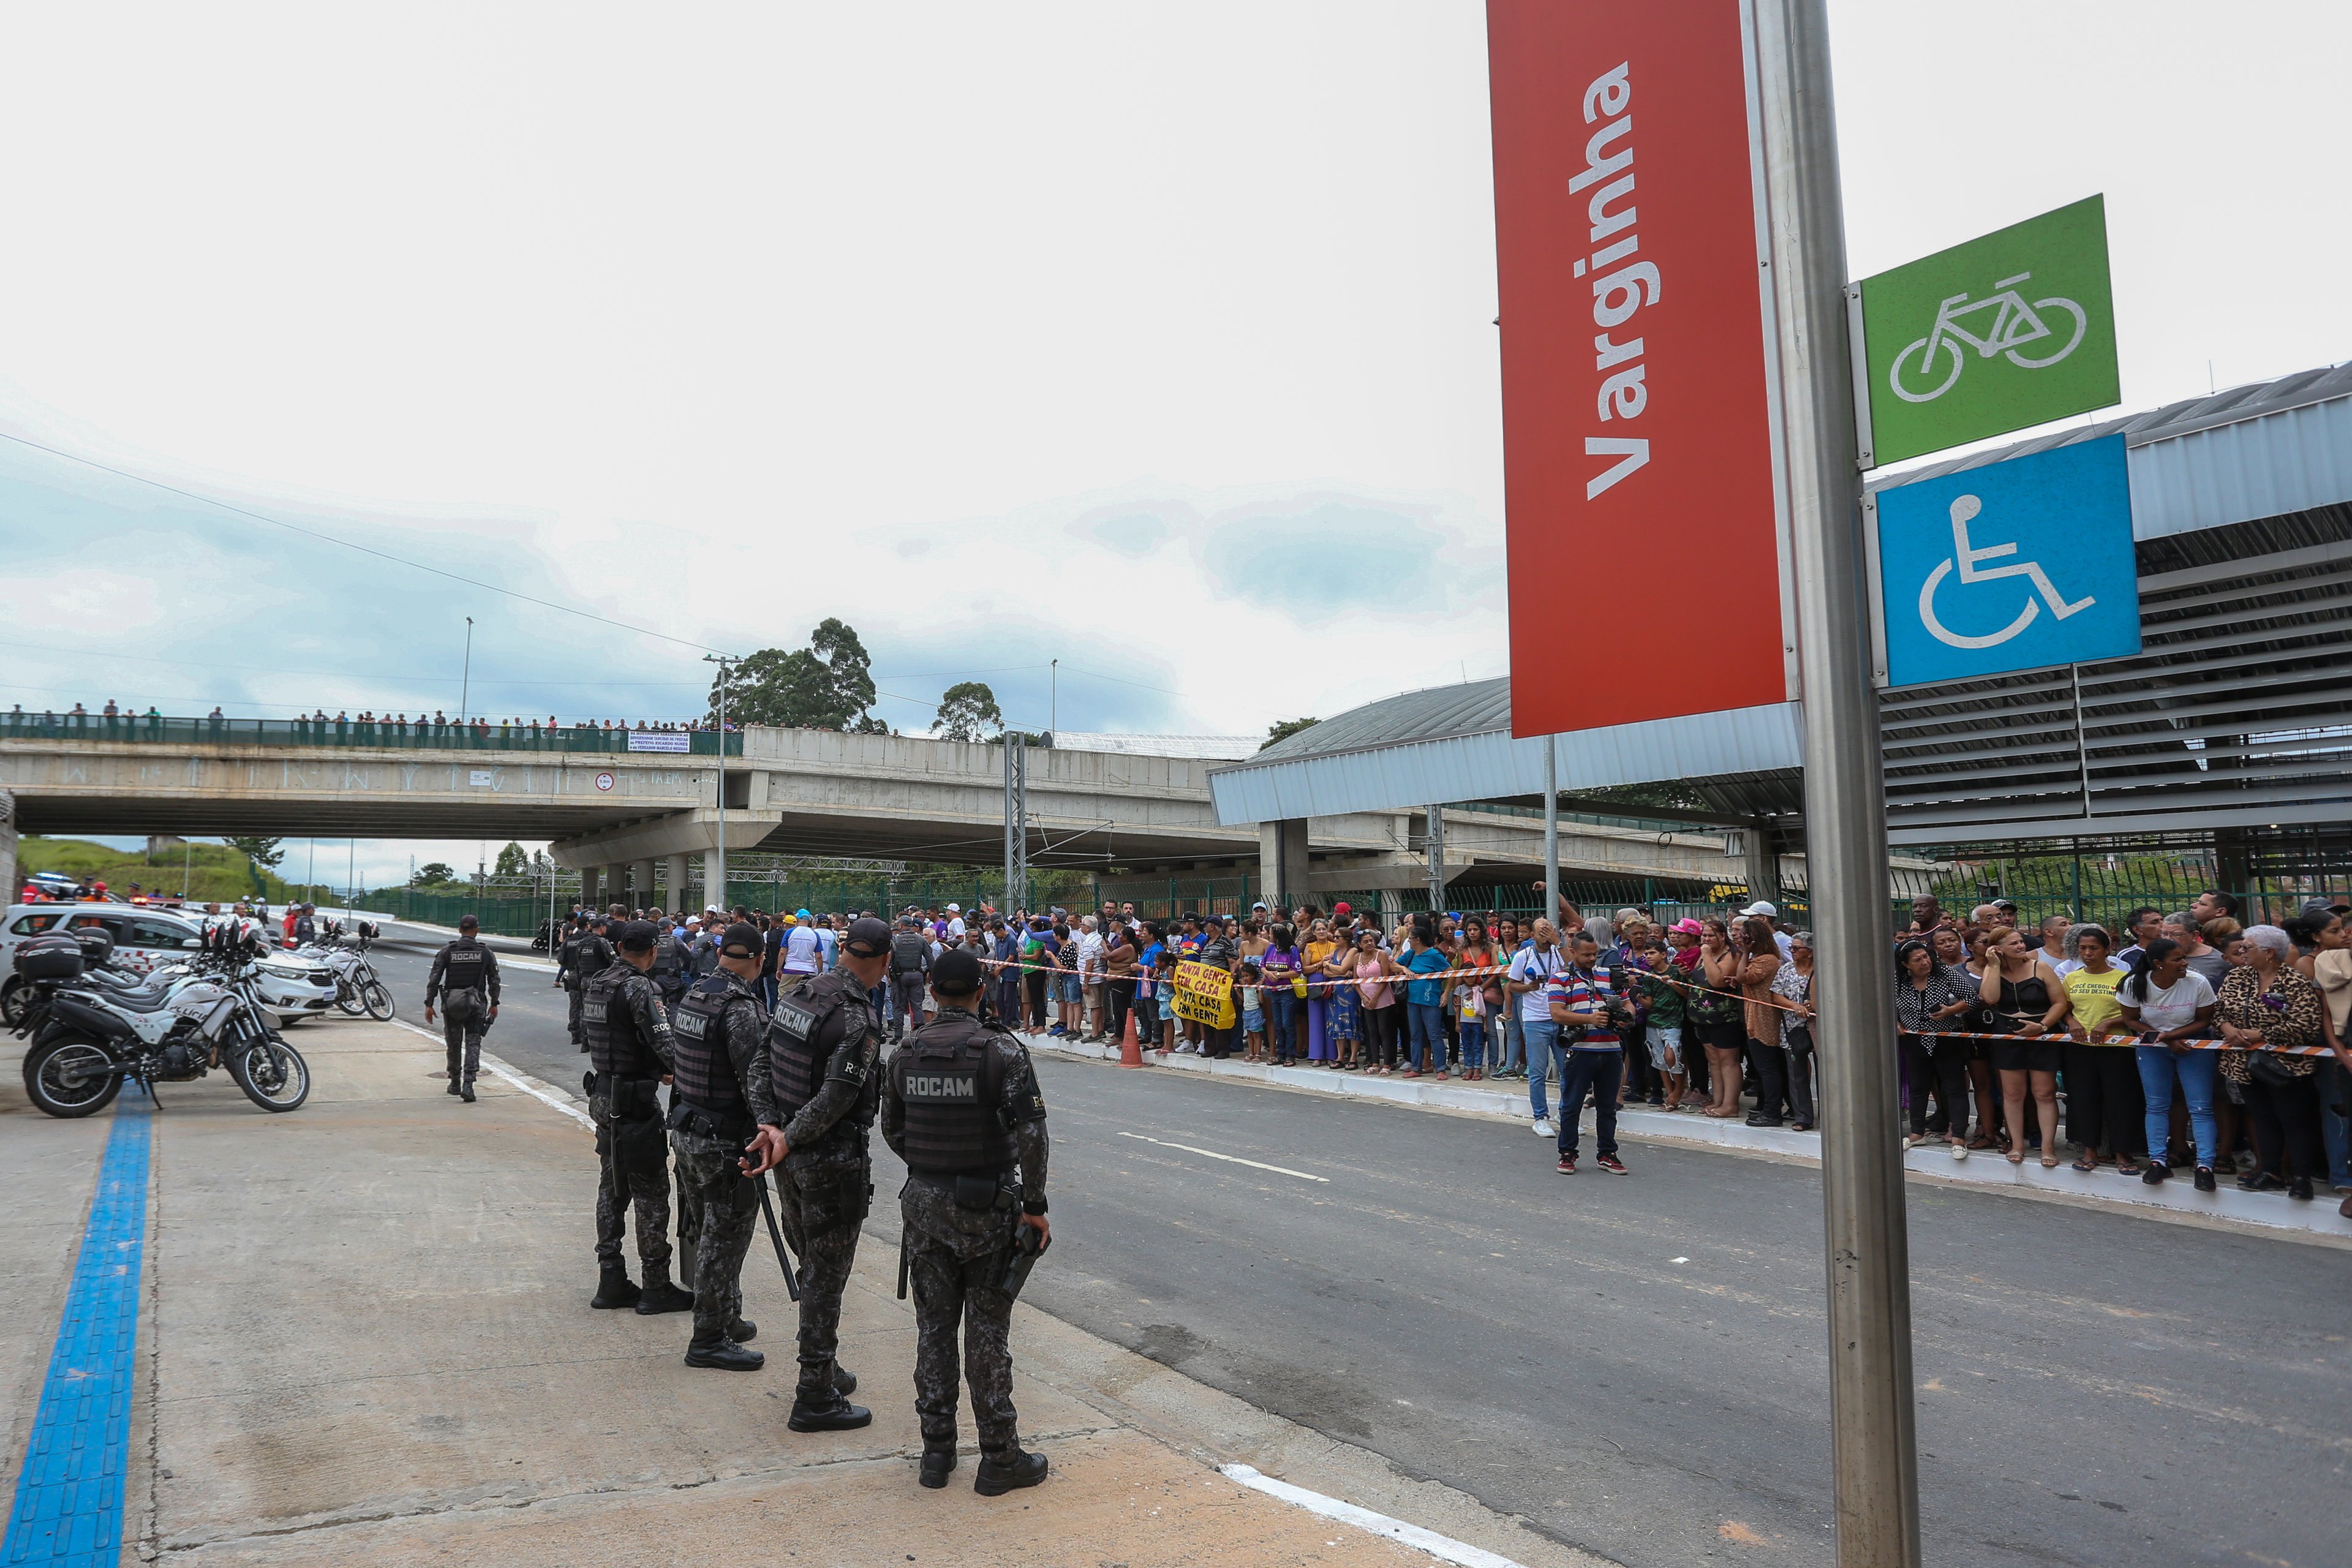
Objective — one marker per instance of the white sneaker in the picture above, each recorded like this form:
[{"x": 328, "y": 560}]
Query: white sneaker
[{"x": 1543, "y": 1128}]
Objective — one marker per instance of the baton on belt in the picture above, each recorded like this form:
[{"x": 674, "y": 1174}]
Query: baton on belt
[{"x": 783, "y": 1261}]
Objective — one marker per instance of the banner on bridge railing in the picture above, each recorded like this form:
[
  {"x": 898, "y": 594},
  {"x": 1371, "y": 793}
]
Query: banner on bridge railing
[{"x": 1203, "y": 994}]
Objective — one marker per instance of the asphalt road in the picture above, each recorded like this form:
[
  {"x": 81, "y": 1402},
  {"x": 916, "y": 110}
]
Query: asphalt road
[{"x": 1638, "y": 1365}]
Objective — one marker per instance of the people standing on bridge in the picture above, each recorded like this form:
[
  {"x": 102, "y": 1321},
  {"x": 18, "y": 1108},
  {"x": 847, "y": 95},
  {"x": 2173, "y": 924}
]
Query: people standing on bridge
[
  {"x": 823, "y": 1056},
  {"x": 720, "y": 1097},
  {"x": 961, "y": 1105},
  {"x": 465, "y": 980},
  {"x": 631, "y": 1052}
]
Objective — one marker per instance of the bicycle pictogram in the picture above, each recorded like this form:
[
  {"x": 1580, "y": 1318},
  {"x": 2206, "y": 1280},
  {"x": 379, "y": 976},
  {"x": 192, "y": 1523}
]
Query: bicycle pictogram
[
  {"x": 1965, "y": 557},
  {"x": 2013, "y": 325}
]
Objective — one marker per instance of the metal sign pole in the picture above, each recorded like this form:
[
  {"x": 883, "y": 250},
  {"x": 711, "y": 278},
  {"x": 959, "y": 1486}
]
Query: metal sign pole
[{"x": 1874, "y": 1441}]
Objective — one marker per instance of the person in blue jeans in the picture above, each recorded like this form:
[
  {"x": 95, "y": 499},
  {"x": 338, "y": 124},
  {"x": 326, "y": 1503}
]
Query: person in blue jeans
[
  {"x": 1424, "y": 1001},
  {"x": 2172, "y": 1006},
  {"x": 1532, "y": 970},
  {"x": 1595, "y": 1058}
]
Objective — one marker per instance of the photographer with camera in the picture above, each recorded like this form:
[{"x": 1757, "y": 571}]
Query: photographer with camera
[{"x": 1592, "y": 1020}]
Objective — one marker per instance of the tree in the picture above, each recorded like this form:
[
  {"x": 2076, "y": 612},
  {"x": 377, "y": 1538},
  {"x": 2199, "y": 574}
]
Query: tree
[
  {"x": 827, "y": 685},
  {"x": 968, "y": 711},
  {"x": 512, "y": 861},
  {"x": 1286, "y": 728},
  {"x": 264, "y": 852},
  {"x": 433, "y": 873}
]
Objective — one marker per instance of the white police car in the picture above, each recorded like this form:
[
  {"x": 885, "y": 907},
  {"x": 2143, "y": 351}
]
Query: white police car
[{"x": 145, "y": 940}]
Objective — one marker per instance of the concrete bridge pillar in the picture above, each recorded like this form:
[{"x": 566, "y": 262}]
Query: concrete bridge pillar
[
  {"x": 641, "y": 885},
  {"x": 588, "y": 887},
  {"x": 1282, "y": 863},
  {"x": 674, "y": 874},
  {"x": 615, "y": 880}
]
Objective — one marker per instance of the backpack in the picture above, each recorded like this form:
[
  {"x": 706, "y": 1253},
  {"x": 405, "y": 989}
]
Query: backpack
[{"x": 909, "y": 952}]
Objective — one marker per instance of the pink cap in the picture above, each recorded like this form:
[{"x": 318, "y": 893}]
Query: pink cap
[{"x": 1690, "y": 927}]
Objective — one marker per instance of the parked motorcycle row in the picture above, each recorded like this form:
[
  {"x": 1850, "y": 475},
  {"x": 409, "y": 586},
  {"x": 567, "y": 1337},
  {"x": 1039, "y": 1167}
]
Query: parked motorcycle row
[{"x": 94, "y": 1025}]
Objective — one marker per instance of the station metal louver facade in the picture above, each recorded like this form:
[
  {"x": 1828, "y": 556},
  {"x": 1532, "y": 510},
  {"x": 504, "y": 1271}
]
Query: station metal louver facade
[{"x": 2236, "y": 712}]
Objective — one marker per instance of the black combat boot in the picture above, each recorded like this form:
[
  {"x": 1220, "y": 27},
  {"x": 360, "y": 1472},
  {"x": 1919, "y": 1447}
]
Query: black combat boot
[
  {"x": 615, "y": 1289},
  {"x": 845, "y": 1382},
  {"x": 937, "y": 1463},
  {"x": 1016, "y": 1470},
  {"x": 453, "y": 1084},
  {"x": 664, "y": 1298},
  {"x": 467, "y": 1093},
  {"x": 741, "y": 1330},
  {"x": 839, "y": 1415},
  {"x": 723, "y": 1353}
]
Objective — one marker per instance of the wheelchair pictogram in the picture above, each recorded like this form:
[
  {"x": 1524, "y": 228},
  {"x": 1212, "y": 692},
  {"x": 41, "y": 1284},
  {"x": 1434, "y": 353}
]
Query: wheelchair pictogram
[{"x": 1966, "y": 557}]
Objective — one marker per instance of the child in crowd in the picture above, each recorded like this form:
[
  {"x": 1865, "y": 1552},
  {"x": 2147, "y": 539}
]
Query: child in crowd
[
  {"x": 1163, "y": 981},
  {"x": 1665, "y": 1004},
  {"x": 1470, "y": 1019},
  {"x": 1245, "y": 997}
]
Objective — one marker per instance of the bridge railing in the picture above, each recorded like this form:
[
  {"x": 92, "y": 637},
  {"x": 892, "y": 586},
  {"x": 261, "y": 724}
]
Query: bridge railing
[{"x": 155, "y": 729}]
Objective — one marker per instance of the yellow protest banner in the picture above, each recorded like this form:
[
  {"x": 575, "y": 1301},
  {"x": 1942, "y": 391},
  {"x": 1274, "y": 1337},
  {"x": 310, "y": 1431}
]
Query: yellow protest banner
[{"x": 1204, "y": 995}]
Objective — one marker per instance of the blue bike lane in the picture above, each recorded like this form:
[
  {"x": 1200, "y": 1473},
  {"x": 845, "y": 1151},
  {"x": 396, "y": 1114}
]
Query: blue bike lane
[{"x": 70, "y": 1494}]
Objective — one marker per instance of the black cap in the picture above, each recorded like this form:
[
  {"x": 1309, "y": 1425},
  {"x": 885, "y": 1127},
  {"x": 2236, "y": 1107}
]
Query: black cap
[
  {"x": 635, "y": 936},
  {"x": 956, "y": 973},
  {"x": 869, "y": 934},
  {"x": 742, "y": 934},
  {"x": 468, "y": 923}
]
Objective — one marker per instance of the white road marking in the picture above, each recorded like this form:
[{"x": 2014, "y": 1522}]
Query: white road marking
[
  {"x": 1235, "y": 1159},
  {"x": 546, "y": 1093},
  {"x": 1444, "y": 1548}
]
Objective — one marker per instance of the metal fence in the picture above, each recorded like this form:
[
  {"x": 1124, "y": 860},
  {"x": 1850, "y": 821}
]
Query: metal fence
[
  {"x": 154, "y": 728},
  {"x": 2106, "y": 888}
]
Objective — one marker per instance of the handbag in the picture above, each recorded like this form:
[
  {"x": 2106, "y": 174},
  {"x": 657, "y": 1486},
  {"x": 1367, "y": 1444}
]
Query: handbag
[{"x": 2270, "y": 1069}]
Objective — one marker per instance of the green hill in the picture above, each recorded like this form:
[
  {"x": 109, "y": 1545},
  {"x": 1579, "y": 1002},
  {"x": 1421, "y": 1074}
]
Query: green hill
[{"x": 217, "y": 872}]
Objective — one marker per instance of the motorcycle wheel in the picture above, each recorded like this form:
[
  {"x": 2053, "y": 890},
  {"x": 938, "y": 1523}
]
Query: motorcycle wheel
[
  {"x": 71, "y": 1078},
  {"x": 12, "y": 1003},
  {"x": 348, "y": 1001},
  {"x": 377, "y": 999},
  {"x": 272, "y": 1073}
]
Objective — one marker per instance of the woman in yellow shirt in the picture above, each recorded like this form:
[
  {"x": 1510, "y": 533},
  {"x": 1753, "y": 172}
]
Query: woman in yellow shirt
[
  {"x": 1317, "y": 951},
  {"x": 2104, "y": 1103}
]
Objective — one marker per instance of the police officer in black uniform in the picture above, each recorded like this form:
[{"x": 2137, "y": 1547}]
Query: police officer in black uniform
[
  {"x": 630, "y": 1047},
  {"x": 719, "y": 1094},
  {"x": 822, "y": 1051},
  {"x": 585, "y": 953},
  {"x": 671, "y": 970},
  {"x": 960, "y": 1106},
  {"x": 465, "y": 980}
]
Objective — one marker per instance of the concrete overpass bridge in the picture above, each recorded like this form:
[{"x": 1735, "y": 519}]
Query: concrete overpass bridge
[{"x": 636, "y": 822}]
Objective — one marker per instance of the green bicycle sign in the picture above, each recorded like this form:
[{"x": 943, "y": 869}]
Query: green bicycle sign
[{"x": 2007, "y": 331}]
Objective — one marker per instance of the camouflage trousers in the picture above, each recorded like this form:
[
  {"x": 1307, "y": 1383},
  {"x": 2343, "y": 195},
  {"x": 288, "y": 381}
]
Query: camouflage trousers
[
  {"x": 951, "y": 1290},
  {"x": 618, "y": 1193},
  {"x": 823, "y": 1236},
  {"x": 463, "y": 1042},
  {"x": 572, "y": 1026},
  {"x": 717, "y": 1211}
]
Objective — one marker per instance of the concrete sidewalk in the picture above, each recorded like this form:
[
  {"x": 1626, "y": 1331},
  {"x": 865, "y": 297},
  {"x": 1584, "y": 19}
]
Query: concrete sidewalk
[
  {"x": 365, "y": 1336},
  {"x": 1931, "y": 1161}
]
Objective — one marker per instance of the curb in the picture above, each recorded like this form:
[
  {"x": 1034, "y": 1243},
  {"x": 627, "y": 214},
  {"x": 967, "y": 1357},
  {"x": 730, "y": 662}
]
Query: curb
[{"x": 2267, "y": 1212}]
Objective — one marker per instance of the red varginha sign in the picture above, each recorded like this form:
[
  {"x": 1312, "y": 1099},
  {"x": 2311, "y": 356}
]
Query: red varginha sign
[{"x": 1637, "y": 439}]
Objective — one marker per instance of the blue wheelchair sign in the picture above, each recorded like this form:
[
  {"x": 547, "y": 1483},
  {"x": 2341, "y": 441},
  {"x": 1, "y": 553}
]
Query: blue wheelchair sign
[{"x": 2015, "y": 565}]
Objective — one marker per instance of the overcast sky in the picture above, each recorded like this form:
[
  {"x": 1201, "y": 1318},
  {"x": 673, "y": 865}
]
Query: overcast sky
[{"x": 1156, "y": 339}]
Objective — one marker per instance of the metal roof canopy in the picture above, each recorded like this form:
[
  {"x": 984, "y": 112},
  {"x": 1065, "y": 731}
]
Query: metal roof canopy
[{"x": 2251, "y": 480}]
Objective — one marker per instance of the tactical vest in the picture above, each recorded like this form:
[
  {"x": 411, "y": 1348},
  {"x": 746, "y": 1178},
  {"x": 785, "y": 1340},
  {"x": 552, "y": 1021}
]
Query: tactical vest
[
  {"x": 466, "y": 967},
  {"x": 705, "y": 1071},
  {"x": 615, "y": 1045},
  {"x": 795, "y": 1060},
  {"x": 951, "y": 1083},
  {"x": 569, "y": 957},
  {"x": 907, "y": 953},
  {"x": 668, "y": 963}
]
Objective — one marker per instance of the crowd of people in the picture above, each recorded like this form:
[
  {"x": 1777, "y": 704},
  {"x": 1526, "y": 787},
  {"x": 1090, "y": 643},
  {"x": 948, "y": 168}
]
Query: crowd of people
[{"x": 2184, "y": 1041}]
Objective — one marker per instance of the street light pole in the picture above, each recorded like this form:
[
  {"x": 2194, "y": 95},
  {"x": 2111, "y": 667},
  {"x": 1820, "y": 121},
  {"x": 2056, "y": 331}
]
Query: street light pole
[
  {"x": 1874, "y": 1439},
  {"x": 718, "y": 895},
  {"x": 466, "y": 681}
]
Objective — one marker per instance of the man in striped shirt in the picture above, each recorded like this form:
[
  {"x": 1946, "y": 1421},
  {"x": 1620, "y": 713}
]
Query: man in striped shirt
[{"x": 1580, "y": 1005}]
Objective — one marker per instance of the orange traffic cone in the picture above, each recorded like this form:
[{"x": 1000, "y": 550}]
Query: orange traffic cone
[{"x": 1130, "y": 1052}]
